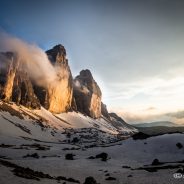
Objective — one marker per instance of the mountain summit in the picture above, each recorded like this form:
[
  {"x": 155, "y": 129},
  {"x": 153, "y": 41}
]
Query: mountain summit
[
  {"x": 60, "y": 91},
  {"x": 87, "y": 94}
]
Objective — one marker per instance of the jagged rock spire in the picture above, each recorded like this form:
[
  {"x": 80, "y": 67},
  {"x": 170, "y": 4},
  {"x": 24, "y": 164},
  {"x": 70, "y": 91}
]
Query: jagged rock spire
[
  {"x": 87, "y": 94},
  {"x": 60, "y": 91}
]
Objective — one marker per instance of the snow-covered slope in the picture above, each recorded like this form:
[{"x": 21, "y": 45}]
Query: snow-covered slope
[
  {"x": 18, "y": 121},
  {"x": 126, "y": 162}
]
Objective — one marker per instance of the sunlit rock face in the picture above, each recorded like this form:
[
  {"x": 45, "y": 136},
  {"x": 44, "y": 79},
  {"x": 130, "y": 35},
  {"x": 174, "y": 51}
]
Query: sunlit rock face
[
  {"x": 23, "y": 92},
  {"x": 8, "y": 72},
  {"x": 60, "y": 91},
  {"x": 15, "y": 84},
  {"x": 87, "y": 94}
]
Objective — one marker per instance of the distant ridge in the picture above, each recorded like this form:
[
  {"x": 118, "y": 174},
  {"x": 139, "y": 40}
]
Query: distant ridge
[{"x": 157, "y": 123}]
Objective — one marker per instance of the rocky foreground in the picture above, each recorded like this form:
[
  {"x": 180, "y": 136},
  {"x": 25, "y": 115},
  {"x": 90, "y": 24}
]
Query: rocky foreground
[{"x": 154, "y": 160}]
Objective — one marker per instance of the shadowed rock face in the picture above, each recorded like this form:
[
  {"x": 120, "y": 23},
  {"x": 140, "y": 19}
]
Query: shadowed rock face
[
  {"x": 60, "y": 92},
  {"x": 16, "y": 85},
  {"x": 104, "y": 110},
  {"x": 57, "y": 54},
  {"x": 87, "y": 94},
  {"x": 8, "y": 73}
]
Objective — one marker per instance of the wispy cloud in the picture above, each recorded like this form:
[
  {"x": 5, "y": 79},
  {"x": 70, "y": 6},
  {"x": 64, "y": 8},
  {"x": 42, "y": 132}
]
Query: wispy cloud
[
  {"x": 150, "y": 100},
  {"x": 135, "y": 117},
  {"x": 178, "y": 115}
]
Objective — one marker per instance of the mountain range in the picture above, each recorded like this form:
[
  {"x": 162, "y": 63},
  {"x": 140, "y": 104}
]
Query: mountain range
[
  {"x": 57, "y": 101},
  {"x": 156, "y": 123}
]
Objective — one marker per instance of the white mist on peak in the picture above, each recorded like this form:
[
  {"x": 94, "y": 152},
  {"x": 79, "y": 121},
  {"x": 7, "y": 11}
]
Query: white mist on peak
[{"x": 33, "y": 59}]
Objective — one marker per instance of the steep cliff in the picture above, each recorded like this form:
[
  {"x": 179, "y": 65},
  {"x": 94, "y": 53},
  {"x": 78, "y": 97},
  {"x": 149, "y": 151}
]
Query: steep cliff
[
  {"x": 87, "y": 94},
  {"x": 23, "y": 92},
  {"x": 16, "y": 85},
  {"x": 60, "y": 91},
  {"x": 9, "y": 72},
  {"x": 60, "y": 95},
  {"x": 104, "y": 111}
]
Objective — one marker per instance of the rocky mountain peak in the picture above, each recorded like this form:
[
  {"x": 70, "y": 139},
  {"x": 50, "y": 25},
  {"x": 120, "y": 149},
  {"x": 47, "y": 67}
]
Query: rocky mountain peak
[
  {"x": 60, "y": 92},
  {"x": 86, "y": 74},
  {"x": 61, "y": 95},
  {"x": 87, "y": 94},
  {"x": 57, "y": 54},
  {"x": 86, "y": 80}
]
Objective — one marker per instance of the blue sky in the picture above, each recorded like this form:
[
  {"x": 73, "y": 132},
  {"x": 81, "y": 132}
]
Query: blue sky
[{"x": 134, "y": 48}]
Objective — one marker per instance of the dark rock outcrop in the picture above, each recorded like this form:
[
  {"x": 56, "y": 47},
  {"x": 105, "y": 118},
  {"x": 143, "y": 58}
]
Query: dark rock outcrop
[
  {"x": 179, "y": 145},
  {"x": 140, "y": 136},
  {"x": 8, "y": 71},
  {"x": 115, "y": 116},
  {"x": 57, "y": 55},
  {"x": 156, "y": 162},
  {"x": 104, "y": 111},
  {"x": 121, "y": 125},
  {"x": 87, "y": 94},
  {"x": 90, "y": 180}
]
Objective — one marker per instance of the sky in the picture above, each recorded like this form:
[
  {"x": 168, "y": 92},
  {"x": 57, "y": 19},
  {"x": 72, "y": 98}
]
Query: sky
[{"x": 134, "y": 48}]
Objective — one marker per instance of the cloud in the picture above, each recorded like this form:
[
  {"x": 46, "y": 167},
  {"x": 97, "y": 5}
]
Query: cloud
[
  {"x": 140, "y": 117},
  {"x": 166, "y": 95},
  {"x": 152, "y": 99},
  {"x": 148, "y": 115},
  {"x": 32, "y": 58},
  {"x": 178, "y": 115},
  {"x": 150, "y": 109}
]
